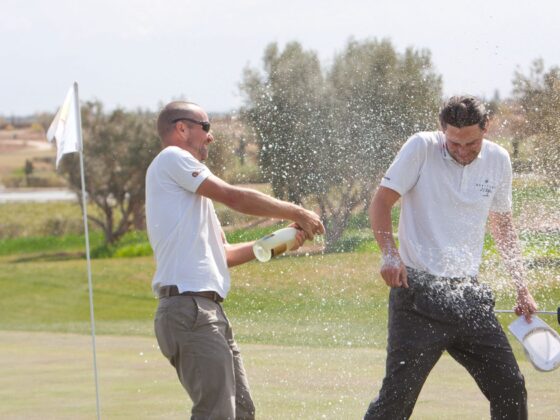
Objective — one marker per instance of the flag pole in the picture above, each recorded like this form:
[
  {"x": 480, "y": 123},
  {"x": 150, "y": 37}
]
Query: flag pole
[{"x": 88, "y": 259}]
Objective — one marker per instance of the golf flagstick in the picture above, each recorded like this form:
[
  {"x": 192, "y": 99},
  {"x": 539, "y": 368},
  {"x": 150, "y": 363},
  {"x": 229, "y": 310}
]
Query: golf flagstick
[
  {"x": 66, "y": 128},
  {"x": 511, "y": 311},
  {"x": 88, "y": 258}
]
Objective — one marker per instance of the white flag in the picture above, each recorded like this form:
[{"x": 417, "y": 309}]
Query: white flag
[{"x": 65, "y": 126}]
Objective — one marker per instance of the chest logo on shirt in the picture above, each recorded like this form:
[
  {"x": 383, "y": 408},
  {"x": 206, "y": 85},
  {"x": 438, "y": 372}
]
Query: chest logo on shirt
[
  {"x": 195, "y": 174},
  {"x": 485, "y": 188}
]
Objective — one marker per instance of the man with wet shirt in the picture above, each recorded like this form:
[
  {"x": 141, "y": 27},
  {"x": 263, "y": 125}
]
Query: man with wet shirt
[{"x": 450, "y": 183}]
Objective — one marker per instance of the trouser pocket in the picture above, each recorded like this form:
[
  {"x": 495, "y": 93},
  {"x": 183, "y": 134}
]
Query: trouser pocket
[{"x": 175, "y": 318}]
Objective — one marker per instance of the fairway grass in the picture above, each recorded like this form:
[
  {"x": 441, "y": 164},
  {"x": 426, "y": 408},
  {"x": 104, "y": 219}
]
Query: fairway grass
[
  {"x": 312, "y": 331},
  {"x": 334, "y": 300},
  {"x": 50, "y": 376}
]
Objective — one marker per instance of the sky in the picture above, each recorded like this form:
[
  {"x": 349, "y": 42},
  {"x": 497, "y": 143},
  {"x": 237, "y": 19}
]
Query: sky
[{"x": 144, "y": 53}]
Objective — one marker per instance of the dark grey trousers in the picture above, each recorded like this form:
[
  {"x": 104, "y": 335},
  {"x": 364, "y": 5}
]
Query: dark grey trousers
[{"x": 455, "y": 315}]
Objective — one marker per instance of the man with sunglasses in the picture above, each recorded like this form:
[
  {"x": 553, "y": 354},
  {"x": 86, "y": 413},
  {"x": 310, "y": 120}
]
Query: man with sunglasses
[
  {"x": 450, "y": 182},
  {"x": 192, "y": 259}
]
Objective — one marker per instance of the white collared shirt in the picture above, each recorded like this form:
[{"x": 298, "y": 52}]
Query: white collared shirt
[
  {"x": 183, "y": 228},
  {"x": 445, "y": 205}
]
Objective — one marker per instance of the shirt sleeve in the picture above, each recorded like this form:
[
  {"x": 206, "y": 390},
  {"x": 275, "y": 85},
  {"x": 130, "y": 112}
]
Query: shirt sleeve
[
  {"x": 184, "y": 170},
  {"x": 405, "y": 170},
  {"x": 502, "y": 201}
]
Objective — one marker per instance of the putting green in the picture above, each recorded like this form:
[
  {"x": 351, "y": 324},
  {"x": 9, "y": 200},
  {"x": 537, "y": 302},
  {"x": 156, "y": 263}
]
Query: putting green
[{"x": 50, "y": 375}]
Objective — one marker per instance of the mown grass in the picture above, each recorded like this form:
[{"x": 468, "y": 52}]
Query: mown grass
[
  {"x": 48, "y": 245},
  {"x": 50, "y": 376},
  {"x": 295, "y": 299},
  {"x": 319, "y": 300}
]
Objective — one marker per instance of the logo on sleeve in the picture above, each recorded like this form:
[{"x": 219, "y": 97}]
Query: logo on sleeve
[{"x": 195, "y": 174}]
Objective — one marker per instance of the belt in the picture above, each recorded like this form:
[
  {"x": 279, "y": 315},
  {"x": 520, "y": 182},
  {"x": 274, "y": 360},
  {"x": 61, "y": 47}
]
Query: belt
[
  {"x": 424, "y": 275},
  {"x": 166, "y": 291}
]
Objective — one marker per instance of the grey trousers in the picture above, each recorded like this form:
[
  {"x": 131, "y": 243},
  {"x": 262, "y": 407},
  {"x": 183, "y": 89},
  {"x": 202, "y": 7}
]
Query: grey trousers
[
  {"x": 195, "y": 335},
  {"x": 455, "y": 315}
]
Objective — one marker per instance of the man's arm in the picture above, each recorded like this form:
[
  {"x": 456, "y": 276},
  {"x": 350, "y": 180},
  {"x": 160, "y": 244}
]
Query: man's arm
[
  {"x": 237, "y": 254},
  {"x": 241, "y": 253},
  {"x": 503, "y": 232},
  {"x": 255, "y": 203},
  {"x": 393, "y": 270}
]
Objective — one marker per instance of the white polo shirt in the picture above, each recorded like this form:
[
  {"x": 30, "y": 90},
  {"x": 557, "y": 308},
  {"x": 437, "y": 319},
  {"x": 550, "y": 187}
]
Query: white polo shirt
[
  {"x": 445, "y": 205},
  {"x": 183, "y": 228}
]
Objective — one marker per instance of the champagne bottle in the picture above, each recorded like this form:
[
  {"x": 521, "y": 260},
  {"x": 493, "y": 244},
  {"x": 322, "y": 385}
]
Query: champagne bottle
[{"x": 274, "y": 244}]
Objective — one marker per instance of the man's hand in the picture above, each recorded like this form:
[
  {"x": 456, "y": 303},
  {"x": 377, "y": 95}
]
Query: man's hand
[
  {"x": 300, "y": 237},
  {"x": 393, "y": 271},
  {"x": 526, "y": 305},
  {"x": 310, "y": 223},
  {"x": 503, "y": 232}
]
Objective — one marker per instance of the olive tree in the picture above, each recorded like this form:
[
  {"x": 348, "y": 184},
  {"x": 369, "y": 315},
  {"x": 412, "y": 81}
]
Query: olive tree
[
  {"x": 118, "y": 148},
  {"x": 327, "y": 135},
  {"x": 283, "y": 106},
  {"x": 538, "y": 94},
  {"x": 379, "y": 98}
]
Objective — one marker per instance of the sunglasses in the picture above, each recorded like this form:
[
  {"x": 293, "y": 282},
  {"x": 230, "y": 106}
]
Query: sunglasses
[{"x": 204, "y": 124}]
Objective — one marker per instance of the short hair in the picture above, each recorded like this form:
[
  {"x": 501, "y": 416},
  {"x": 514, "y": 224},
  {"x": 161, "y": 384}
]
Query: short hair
[
  {"x": 463, "y": 111},
  {"x": 170, "y": 113}
]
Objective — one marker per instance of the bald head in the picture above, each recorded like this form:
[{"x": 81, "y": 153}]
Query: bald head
[{"x": 172, "y": 112}]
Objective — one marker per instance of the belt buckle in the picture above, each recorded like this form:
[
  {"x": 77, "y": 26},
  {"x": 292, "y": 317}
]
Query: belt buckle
[{"x": 165, "y": 291}]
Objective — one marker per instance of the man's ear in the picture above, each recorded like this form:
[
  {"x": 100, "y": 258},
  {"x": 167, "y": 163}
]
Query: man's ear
[
  {"x": 180, "y": 127},
  {"x": 488, "y": 122}
]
